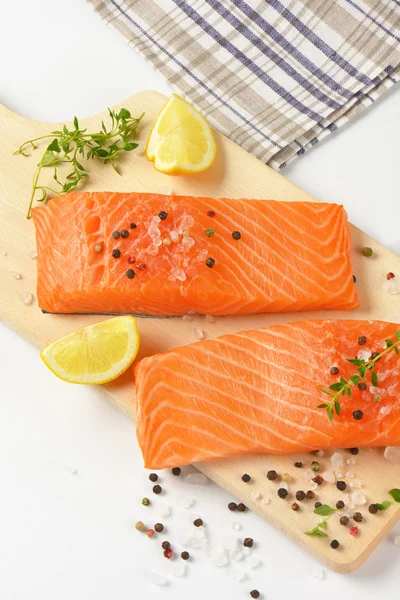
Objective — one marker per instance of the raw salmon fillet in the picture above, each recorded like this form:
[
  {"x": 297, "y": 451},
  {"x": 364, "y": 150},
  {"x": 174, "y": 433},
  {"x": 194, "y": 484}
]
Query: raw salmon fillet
[
  {"x": 258, "y": 391},
  {"x": 290, "y": 256}
]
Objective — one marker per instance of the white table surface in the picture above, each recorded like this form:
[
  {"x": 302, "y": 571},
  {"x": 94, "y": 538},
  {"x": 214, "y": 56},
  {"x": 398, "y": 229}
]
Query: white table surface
[{"x": 66, "y": 536}]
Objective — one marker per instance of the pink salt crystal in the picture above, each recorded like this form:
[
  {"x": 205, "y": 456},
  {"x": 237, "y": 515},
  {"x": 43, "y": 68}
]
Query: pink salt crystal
[
  {"x": 329, "y": 476},
  {"x": 26, "y": 298},
  {"x": 198, "y": 334},
  {"x": 202, "y": 255},
  {"x": 337, "y": 459},
  {"x": 386, "y": 410},
  {"x": 392, "y": 454}
]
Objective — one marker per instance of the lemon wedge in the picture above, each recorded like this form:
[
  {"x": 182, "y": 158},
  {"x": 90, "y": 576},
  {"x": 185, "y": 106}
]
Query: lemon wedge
[
  {"x": 181, "y": 141},
  {"x": 95, "y": 354}
]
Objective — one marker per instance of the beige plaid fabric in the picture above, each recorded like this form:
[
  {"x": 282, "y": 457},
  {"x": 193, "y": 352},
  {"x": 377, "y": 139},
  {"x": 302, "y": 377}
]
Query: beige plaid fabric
[{"x": 274, "y": 76}]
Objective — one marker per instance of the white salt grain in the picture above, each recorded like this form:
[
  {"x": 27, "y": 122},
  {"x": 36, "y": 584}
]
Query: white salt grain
[
  {"x": 15, "y": 275},
  {"x": 73, "y": 472},
  {"x": 186, "y": 318},
  {"x": 236, "y": 526},
  {"x": 386, "y": 410},
  {"x": 355, "y": 484},
  {"x": 319, "y": 574},
  {"x": 188, "y": 502},
  {"x": 358, "y": 498},
  {"x": 196, "y": 479},
  {"x": 210, "y": 319},
  {"x": 179, "y": 569},
  {"x": 253, "y": 562},
  {"x": 236, "y": 555},
  {"x": 392, "y": 286},
  {"x": 164, "y": 191},
  {"x": 284, "y": 485},
  {"x": 266, "y": 501},
  {"x": 198, "y": 334},
  {"x": 397, "y": 540},
  {"x": 218, "y": 557},
  {"x": 337, "y": 459},
  {"x": 350, "y": 474},
  {"x": 26, "y": 298},
  {"x": 255, "y": 495},
  {"x": 157, "y": 579},
  {"x": 392, "y": 454},
  {"x": 238, "y": 575},
  {"x": 164, "y": 510},
  {"x": 351, "y": 461},
  {"x": 310, "y": 474},
  {"x": 32, "y": 254},
  {"x": 364, "y": 354},
  {"x": 329, "y": 476},
  {"x": 339, "y": 474}
]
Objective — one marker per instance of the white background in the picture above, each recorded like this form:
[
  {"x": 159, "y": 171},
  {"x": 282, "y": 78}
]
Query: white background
[{"x": 66, "y": 536}]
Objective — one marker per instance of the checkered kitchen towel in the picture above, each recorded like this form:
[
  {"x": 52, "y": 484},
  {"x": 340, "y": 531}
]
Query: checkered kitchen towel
[{"x": 275, "y": 76}]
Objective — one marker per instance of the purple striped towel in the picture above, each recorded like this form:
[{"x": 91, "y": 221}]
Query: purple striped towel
[{"x": 275, "y": 76}]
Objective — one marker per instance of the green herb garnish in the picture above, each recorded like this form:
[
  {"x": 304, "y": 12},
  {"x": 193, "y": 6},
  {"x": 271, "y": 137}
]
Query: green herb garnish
[
  {"x": 343, "y": 387},
  {"x": 325, "y": 511},
  {"x": 69, "y": 144},
  {"x": 395, "y": 493}
]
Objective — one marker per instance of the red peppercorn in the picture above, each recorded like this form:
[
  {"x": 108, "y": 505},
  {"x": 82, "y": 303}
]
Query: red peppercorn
[
  {"x": 390, "y": 275},
  {"x": 210, "y": 213},
  {"x": 140, "y": 267},
  {"x": 131, "y": 260},
  {"x": 354, "y": 531},
  {"x": 150, "y": 533},
  {"x": 318, "y": 480},
  {"x": 168, "y": 553}
]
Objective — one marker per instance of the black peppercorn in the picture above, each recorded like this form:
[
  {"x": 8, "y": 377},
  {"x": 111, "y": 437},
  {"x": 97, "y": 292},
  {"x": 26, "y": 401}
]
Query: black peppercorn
[
  {"x": 185, "y": 555},
  {"x": 176, "y": 471},
  {"x": 130, "y": 273},
  {"x": 198, "y": 522},
  {"x": 272, "y": 475},
  {"x": 334, "y": 544},
  {"x": 232, "y": 506},
  {"x": 241, "y": 507},
  {"x": 133, "y": 225},
  {"x": 159, "y": 527},
  {"x": 124, "y": 233},
  {"x": 374, "y": 355},
  {"x": 255, "y": 594},
  {"x": 334, "y": 371},
  {"x": 310, "y": 495},
  {"x": 300, "y": 495},
  {"x": 210, "y": 262},
  {"x": 358, "y": 517},
  {"x": 373, "y": 509},
  {"x": 317, "y": 504},
  {"x": 282, "y": 493},
  {"x": 341, "y": 485},
  {"x": 362, "y": 340},
  {"x": 354, "y": 278},
  {"x": 298, "y": 465},
  {"x": 163, "y": 215},
  {"x": 344, "y": 521},
  {"x": 248, "y": 542},
  {"x": 355, "y": 451},
  {"x": 362, "y": 386},
  {"x": 165, "y": 545},
  {"x": 157, "y": 489},
  {"x": 236, "y": 235},
  {"x": 295, "y": 506},
  {"x": 116, "y": 235},
  {"x": 153, "y": 477},
  {"x": 246, "y": 478},
  {"x": 340, "y": 504},
  {"x": 358, "y": 415},
  {"x": 116, "y": 253}
]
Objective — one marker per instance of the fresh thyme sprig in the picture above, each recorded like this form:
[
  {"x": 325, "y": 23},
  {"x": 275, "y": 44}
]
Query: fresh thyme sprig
[
  {"x": 69, "y": 144},
  {"x": 325, "y": 511},
  {"x": 344, "y": 386},
  {"x": 395, "y": 493}
]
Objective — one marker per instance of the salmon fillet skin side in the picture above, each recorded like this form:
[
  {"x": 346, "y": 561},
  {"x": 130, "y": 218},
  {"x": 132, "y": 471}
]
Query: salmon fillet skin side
[
  {"x": 258, "y": 392},
  {"x": 162, "y": 255}
]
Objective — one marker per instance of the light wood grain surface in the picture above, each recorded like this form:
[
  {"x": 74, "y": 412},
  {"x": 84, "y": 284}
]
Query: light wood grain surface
[{"x": 235, "y": 174}]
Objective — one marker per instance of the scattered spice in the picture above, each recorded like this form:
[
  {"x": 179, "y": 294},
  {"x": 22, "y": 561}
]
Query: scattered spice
[
  {"x": 354, "y": 531},
  {"x": 341, "y": 485},
  {"x": 246, "y": 478},
  {"x": 354, "y": 278},
  {"x": 162, "y": 215},
  {"x": 150, "y": 533},
  {"x": 298, "y": 465},
  {"x": 335, "y": 544},
  {"x": 131, "y": 260},
  {"x": 157, "y": 489},
  {"x": 318, "y": 480},
  {"x": 334, "y": 371},
  {"x": 167, "y": 242},
  {"x": 116, "y": 235},
  {"x": 210, "y": 213},
  {"x": 310, "y": 495},
  {"x": 344, "y": 520},
  {"x": 317, "y": 504},
  {"x": 209, "y": 232},
  {"x": 367, "y": 251},
  {"x": 362, "y": 340},
  {"x": 340, "y": 504},
  {"x": 165, "y": 545},
  {"x": 139, "y": 525},
  {"x": 133, "y": 225},
  {"x": 116, "y": 253},
  {"x": 185, "y": 555},
  {"x": 236, "y": 235},
  {"x": 168, "y": 553},
  {"x": 153, "y": 477},
  {"x": 255, "y": 594},
  {"x": 185, "y": 233},
  {"x": 287, "y": 477},
  {"x": 272, "y": 475},
  {"x": 315, "y": 466},
  {"x": 319, "y": 453},
  {"x": 130, "y": 273},
  {"x": 198, "y": 523},
  {"x": 176, "y": 471},
  {"x": 300, "y": 495},
  {"x": 357, "y": 517},
  {"x": 124, "y": 233},
  {"x": 98, "y": 248},
  {"x": 358, "y": 415},
  {"x": 282, "y": 493},
  {"x": 373, "y": 509},
  {"x": 146, "y": 502},
  {"x": 355, "y": 451},
  {"x": 159, "y": 527},
  {"x": 232, "y": 506},
  {"x": 375, "y": 355},
  {"x": 210, "y": 262},
  {"x": 362, "y": 386},
  {"x": 390, "y": 275},
  {"x": 141, "y": 267},
  {"x": 248, "y": 542},
  {"x": 241, "y": 507},
  {"x": 295, "y": 506}
]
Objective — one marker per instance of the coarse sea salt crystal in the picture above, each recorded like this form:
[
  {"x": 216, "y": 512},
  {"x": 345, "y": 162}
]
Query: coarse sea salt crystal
[
  {"x": 188, "y": 502},
  {"x": 218, "y": 557},
  {"x": 73, "y": 471},
  {"x": 338, "y": 474},
  {"x": 253, "y": 562},
  {"x": 196, "y": 479},
  {"x": 15, "y": 275},
  {"x": 177, "y": 275},
  {"x": 284, "y": 485},
  {"x": 351, "y": 461},
  {"x": 392, "y": 286},
  {"x": 186, "y": 318},
  {"x": 397, "y": 540},
  {"x": 157, "y": 579},
  {"x": 329, "y": 476},
  {"x": 255, "y": 495},
  {"x": 364, "y": 354},
  {"x": 319, "y": 574},
  {"x": 350, "y": 474},
  {"x": 358, "y": 498},
  {"x": 32, "y": 254},
  {"x": 386, "y": 410},
  {"x": 392, "y": 454},
  {"x": 355, "y": 484},
  {"x": 164, "y": 191},
  {"x": 236, "y": 555},
  {"x": 210, "y": 319},
  {"x": 266, "y": 501},
  {"x": 179, "y": 569},
  {"x": 198, "y": 334},
  {"x": 174, "y": 235},
  {"x": 337, "y": 459},
  {"x": 375, "y": 390},
  {"x": 202, "y": 255},
  {"x": 313, "y": 486},
  {"x": 310, "y": 473},
  {"x": 164, "y": 510},
  {"x": 236, "y": 526},
  {"x": 187, "y": 243},
  {"x": 26, "y": 298},
  {"x": 391, "y": 390},
  {"x": 238, "y": 575}
]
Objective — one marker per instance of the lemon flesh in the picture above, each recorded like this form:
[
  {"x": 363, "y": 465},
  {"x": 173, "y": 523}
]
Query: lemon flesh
[
  {"x": 95, "y": 354},
  {"x": 181, "y": 141}
]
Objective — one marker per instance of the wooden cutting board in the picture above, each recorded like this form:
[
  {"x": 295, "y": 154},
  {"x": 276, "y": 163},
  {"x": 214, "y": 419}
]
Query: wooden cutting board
[{"x": 235, "y": 174}]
